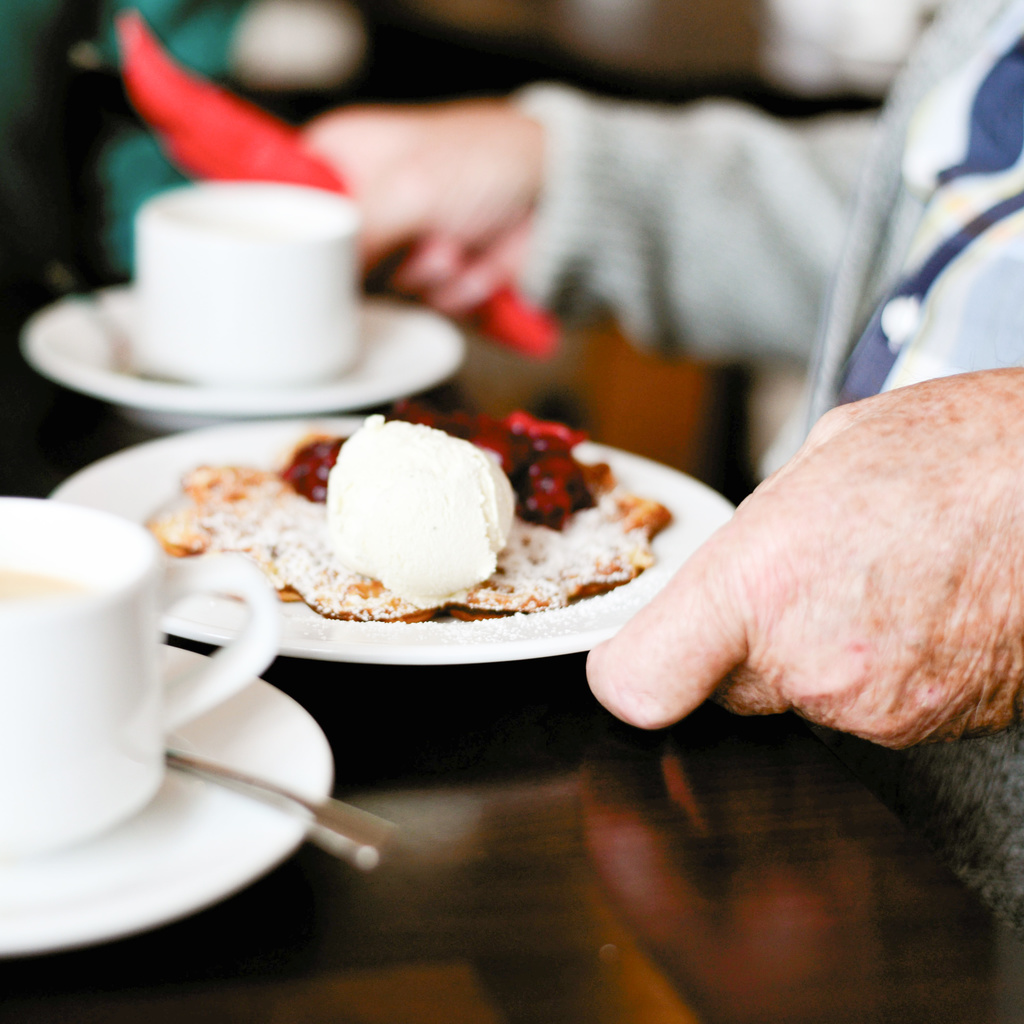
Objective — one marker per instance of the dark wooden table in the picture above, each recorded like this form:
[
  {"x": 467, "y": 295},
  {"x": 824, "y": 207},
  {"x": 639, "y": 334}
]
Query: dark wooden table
[{"x": 556, "y": 867}]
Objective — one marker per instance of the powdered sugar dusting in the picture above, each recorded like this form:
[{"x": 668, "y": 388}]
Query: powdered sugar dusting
[{"x": 257, "y": 513}]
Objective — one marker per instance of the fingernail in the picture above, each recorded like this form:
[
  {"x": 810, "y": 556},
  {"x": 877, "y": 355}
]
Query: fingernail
[
  {"x": 428, "y": 270},
  {"x": 466, "y": 293}
]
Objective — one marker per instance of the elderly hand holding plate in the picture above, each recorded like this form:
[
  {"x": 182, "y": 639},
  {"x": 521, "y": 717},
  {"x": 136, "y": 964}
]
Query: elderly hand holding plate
[{"x": 873, "y": 584}]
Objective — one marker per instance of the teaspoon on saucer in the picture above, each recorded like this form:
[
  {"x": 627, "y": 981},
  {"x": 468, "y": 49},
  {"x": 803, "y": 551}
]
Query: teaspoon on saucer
[{"x": 347, "y": 832}]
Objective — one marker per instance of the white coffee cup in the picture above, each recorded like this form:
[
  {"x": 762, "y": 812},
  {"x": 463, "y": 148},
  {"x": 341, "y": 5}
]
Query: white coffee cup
[
  {"x": 246, "y": 284},
  {"x": 84, "y": 712}
]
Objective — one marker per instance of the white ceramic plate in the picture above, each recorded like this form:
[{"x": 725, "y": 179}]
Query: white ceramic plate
[
  {"x": 195, "y": 844},
  {"x": 139, "y": 481},
  {"x": 85, "y": 344}
]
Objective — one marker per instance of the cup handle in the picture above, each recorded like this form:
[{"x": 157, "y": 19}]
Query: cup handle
[{"x": 192, "y": 693}]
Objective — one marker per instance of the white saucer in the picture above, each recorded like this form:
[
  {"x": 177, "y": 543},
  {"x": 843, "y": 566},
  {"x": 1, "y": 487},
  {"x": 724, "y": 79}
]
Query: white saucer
[
  {"x": 193, "y": 845},
  {"x": 84, "y": 343}
]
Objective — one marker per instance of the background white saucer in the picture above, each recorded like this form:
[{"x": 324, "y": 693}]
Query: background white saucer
[{"x": 84, "y": 343}]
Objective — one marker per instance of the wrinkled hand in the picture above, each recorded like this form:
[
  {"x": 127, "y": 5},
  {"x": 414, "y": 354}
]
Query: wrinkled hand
[
  {"x": 450, "y": 186},
  {"x": 874, "y": 585}
]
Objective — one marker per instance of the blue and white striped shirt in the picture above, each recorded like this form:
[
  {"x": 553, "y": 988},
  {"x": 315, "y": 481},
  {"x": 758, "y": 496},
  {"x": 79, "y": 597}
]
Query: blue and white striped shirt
[{"x": 960, "y": 303}]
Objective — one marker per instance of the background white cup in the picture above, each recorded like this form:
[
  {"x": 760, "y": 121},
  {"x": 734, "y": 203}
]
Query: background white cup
[
  {"x": 84, "y": 712},
  {"x": 246, "y": 284}
]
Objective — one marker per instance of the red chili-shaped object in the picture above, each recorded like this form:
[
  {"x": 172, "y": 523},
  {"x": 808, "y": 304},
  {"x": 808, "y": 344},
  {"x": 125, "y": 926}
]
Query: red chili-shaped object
[{"x": 208, "y": 131}]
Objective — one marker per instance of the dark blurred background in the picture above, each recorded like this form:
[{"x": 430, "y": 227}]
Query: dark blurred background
[{"x": 793, "y": 58}]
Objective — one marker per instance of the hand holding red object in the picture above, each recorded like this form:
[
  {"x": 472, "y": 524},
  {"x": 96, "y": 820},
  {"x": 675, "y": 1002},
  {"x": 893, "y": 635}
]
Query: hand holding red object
[{"x": 211, "y": 133}]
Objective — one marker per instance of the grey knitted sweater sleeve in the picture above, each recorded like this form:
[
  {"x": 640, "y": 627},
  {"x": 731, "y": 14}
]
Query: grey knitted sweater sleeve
[{"x": 708, "y": 227}]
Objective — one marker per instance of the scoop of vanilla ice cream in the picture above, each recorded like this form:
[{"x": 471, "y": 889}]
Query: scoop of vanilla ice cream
[{"x": 421, "y": 511}]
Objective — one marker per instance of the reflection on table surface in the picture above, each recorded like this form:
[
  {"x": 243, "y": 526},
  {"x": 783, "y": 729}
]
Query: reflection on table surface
[{"x": 555, "y": 866}]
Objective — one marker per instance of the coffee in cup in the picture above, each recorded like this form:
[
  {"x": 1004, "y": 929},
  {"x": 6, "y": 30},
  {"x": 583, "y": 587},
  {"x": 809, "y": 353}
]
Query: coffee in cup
[{"x": 17, "y": 585}]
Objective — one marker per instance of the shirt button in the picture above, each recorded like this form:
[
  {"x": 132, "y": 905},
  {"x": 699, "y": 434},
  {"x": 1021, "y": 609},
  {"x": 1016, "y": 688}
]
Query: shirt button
[{"x": 901, "y": 318}]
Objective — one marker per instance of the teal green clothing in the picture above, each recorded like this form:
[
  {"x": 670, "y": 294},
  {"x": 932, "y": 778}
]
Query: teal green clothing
[{"x": 71, "y": 178}]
